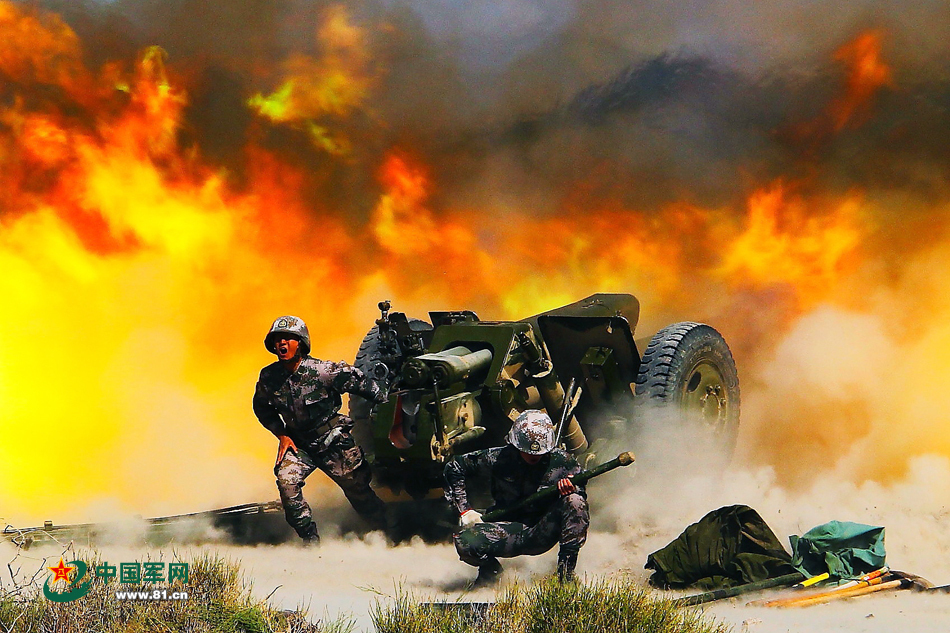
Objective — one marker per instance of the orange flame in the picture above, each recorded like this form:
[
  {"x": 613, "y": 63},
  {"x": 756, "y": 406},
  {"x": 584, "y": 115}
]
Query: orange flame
[
  {"x": 138, "y": 279},
  {"x": 124, "y": 273},
  {"x": 427, "y": 255},
  {"x": 39, "y": 48},
  {"x": 520, "y": 263},
  {"x": 787, "y": 241},
  {"x": 867, "y": 75}
]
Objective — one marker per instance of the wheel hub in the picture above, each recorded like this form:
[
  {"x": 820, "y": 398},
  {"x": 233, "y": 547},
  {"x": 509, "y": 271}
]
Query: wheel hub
[{"x": 705, "y": 395}]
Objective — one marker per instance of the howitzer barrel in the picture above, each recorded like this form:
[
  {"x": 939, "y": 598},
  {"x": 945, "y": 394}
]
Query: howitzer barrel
[
  {"x": 452, "y": 369},
  {"x": 623, "y": 459},
  {"x": 445, "y": 367}
]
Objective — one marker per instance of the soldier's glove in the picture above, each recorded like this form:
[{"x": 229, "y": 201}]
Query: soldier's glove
[{"x": 470, "y": 518}]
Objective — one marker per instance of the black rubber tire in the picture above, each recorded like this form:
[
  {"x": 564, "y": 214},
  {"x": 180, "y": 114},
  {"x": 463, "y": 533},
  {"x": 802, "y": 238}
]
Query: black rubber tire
[
  {"x": 688, "y": 368},
  {"x": 367, "y": 361}
]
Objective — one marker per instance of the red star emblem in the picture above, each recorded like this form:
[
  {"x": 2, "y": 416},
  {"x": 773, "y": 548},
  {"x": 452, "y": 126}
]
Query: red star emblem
[{"x": 61, "y": 571}]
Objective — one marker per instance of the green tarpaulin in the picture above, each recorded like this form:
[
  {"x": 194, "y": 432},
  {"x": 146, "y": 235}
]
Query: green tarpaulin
[
  {"x": 843, "y": 549},
  {"x": 734, "y": 546},
  {"x": 727, "y": 547}
]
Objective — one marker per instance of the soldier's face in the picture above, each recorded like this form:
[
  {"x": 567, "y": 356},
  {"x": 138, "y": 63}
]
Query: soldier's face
[
  {"x": 529, "y": 458},
  {"x": 286, "y": 346}
]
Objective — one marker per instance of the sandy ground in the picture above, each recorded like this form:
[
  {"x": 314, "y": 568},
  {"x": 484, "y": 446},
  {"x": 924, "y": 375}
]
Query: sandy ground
[
  {"x": 895, "y": 611},
  {"x": 346, "y": 576}
]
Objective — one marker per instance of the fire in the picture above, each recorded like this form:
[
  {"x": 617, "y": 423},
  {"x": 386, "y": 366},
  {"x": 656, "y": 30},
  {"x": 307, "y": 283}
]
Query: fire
[
  {"x": 788, "y": 241},
  {"x": 612, "y": 248},
  {"x": 329, "y": 87},
  {"x": 139, "y": 276},
  {"x": 123, "y": 277},
  {"x": 44, "y": 141},
  {"x": 155, "y": 115},
  {"x": 401, "y": 222},
  {"x": 523, "y": 264},
  {"x": 425, "y": 254},
  {"x": 39, "y": 49},
  {"x": 867, "y": 75}
]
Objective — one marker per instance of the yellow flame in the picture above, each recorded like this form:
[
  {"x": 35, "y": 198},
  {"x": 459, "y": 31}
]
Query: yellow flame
[
  {"x": 785, "y": 242},
  {"x": 128, "y": 343},
  {"x": 138, "y": 282},
  {"x": 331, "y": 85}
]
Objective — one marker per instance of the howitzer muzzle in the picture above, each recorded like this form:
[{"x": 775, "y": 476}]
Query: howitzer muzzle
[
  {"x": 415, "y": 373},
  {"x": 446, "y": 367}
]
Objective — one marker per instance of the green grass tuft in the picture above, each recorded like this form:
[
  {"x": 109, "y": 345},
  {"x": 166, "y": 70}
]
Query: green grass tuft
[
  {"x": 548, "y": 607},
  {"x": 219, "y": 601}
]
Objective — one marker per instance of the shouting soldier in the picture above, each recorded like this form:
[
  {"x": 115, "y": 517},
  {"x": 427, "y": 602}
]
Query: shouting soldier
[
  {"x": 298, "y": 399},
  {"x": 527, "y": 463}
]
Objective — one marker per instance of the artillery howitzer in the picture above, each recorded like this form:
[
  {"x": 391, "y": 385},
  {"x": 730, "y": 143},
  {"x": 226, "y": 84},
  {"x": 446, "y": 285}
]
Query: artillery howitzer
[{"x": 457, "y": 384}]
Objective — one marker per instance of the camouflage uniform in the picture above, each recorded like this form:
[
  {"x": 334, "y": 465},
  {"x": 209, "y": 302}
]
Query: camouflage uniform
[
  {"x": 304, "y": 405},
  {"x": 533, "y": 531}
]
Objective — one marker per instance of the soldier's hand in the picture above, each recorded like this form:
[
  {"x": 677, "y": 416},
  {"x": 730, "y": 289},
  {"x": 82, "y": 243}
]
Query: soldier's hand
[
  {"x": 285, "y": 444},
  {"x": 566, "y": 486},
  {"x": 470, "y": 518}
]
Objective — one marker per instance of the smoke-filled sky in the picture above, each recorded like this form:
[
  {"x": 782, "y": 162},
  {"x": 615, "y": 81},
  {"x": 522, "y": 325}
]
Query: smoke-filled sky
[{"x": 175, "y": 174}]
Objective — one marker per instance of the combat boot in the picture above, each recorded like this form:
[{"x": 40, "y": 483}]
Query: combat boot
[
  {"x": 489, "y": 573},
  {"x": 310, "y": 536},
  {"x": 377, "y": 520},
  {"x": 566, "y": 562}
]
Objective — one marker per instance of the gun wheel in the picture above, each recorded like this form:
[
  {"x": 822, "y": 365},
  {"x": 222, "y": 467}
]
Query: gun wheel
[
  {"x": 688, "y": 367},
  {"x": 369, "y": 361}
]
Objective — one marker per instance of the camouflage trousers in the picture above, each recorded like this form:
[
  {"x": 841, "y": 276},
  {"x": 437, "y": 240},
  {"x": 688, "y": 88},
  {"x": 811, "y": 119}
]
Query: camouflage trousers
[
  {"x": 342, "y": 462},
  {"x": 565, "y": 522}
]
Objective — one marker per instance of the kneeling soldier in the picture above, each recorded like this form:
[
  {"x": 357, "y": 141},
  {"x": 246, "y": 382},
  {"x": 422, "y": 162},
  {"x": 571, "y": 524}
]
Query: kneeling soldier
[{"x": 527, "y": 463}]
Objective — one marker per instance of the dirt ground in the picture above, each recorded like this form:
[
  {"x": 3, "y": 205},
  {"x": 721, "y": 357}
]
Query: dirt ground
[{"x": 347, "y": 575}]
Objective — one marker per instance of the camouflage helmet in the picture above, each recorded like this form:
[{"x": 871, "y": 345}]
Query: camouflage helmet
[
  {"x": 532, "y": 432},
  {"x": 288, "y": 325}
]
